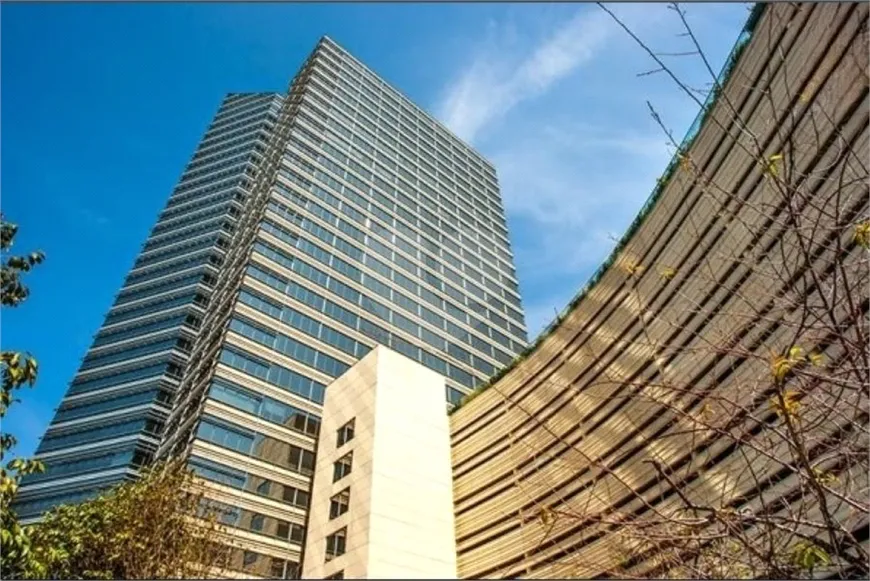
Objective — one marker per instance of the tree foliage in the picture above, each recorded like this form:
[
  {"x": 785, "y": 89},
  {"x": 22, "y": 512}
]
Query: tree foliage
[
  {"x": 156, "y": 527},
  {"x": 17, "y": 370}
]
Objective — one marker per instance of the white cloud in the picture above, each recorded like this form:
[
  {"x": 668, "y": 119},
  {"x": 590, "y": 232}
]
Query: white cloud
[
  {"x": 494, "y": 83},
  {"x": 564, "y": 119}
]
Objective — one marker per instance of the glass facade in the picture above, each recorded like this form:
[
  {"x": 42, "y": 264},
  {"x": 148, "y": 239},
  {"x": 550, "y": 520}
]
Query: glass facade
[
  {"x": 111, "y": 419},
  {"x": 375, "y": 226}
]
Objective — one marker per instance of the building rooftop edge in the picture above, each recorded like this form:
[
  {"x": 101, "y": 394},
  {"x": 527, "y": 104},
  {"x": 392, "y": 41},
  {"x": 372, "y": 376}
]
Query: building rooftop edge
[{"x": 428, "y": 115}]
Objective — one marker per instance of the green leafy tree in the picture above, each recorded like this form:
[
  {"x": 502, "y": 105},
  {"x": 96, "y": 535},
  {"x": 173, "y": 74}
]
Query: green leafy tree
[
  {"x": 18, "y": 370},
  {"x": 157, "y": 527}
]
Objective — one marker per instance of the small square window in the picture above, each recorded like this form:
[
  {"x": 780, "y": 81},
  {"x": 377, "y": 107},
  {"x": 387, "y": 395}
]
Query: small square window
[
  {"x": 345, "y": 433},
  {"x": 292, "y": 571},
  {"x": 278, "y": 568},
  {"x": 297, "y": 533},
  {"x": 264, "y": 487},
  {"x": 283, "y": 530},
  {"x": 249, "y": 558},
  {"x": 342, "y": 467},
  {"x": 339, "y": 504},
  {"x": 335, "y": 544},
  {"x": 258, "y": 521}
]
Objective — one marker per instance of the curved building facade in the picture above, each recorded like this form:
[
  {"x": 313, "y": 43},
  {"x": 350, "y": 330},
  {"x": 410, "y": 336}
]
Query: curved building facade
[{"x": 706, "y": 392}]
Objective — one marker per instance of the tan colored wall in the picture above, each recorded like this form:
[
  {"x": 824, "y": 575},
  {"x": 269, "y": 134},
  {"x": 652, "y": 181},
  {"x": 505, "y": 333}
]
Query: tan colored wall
[
  {"x": 400, "y": 523},
  {"x": 550, "y": 460}
]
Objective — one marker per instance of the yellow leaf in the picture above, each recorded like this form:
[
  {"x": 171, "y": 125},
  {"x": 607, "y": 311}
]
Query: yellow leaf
[
  {"x": 789, "y": 405},
  {"x": 633, "y": 268},
  {"x": 862, "y": 234},
  {"x": 685, "y": 162},
  {"x": 668, "y": 273},
  {"x": 825, "y": 478},
  {"x": 780, "y": 366},
  {"x": 816, "y": 359},
  {"x": 772, "y": 164},
  {"x": 807, "y": 555}
]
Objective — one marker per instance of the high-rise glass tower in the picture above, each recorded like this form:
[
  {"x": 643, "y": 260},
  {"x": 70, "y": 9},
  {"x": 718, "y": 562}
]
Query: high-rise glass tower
[
  {"x": 306, "y": 229},
  {"x": 111, "y": 418}
]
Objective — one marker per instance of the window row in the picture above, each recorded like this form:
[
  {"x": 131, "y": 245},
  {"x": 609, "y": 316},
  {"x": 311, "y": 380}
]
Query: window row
[
  {"x": 290, "y": 347},
  {"x": 182, "y": 221},
  {"x": 214, "y": 225},
  {"x": 265, "y": 407},
  {"x": 138, "y": 328},
  {"x": 392, "y": 316},
  {"x": 379, "y": 96},
  {"x": 55, "y": 441},
  {"x": 415, "y": 289},
  {"x": 247, "y": 149},
  {"x": 243, "y": 137},
  {"x": 128, "y": 352},
  {"x": 231, "y": 114},
  {"x": 215, "y": 167},
  {"x": 249, "y": 482},
  {"x": 338, "y": 114},
  {"x": 163, "y": 303},
  {"x": 222, "y": 130},
  {"x": 235, "y": 516},
  {"x": 231, "y": 119},
  {"x": 115, "y": 401},
  {"x": 256, "y": 445},
  {"x": 261, "y": 565},
  {"x": 216, "y": 180},
  {"x": 187, "y": 246},
  {"x": 25, "y": 508},
  {"x": 149, "y": 370},
  {"x": 438, "y": 244},
  {"x": 309, "y": 325},
  {"x": 375, "y": 332},
  {"x": 392, "y": 257},
  {"x": 274, "y": 374},
  {"x": 173, "y": 266},
  {"x": 55, "y": 469},
  {"x": 166, "y": 285},
  {"x": 488, "y": 221},
  {"x": 437, "y": 229},
  {"x": 392, "y": 161},
  {"x": 235, "y": 104}
]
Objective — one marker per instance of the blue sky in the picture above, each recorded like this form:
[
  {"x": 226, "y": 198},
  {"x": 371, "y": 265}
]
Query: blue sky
[{"x": 101, "y": 106}]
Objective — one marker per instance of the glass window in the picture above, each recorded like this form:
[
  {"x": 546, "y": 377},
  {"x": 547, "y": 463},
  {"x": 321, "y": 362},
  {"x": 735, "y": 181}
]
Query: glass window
[
  {"x": 345, "y": 433},
  {"x": 249, "y": 558},
  {"x": 342, "y": 467},
  {"x": 218, "y": 472},
  {"x": 339, "y": 504},
  {"x": 335, "y": 544},
  {"x": 301, "y": 460},
  {"x": 278, "y": 569},
  {"x": 433, "y": 362}
]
